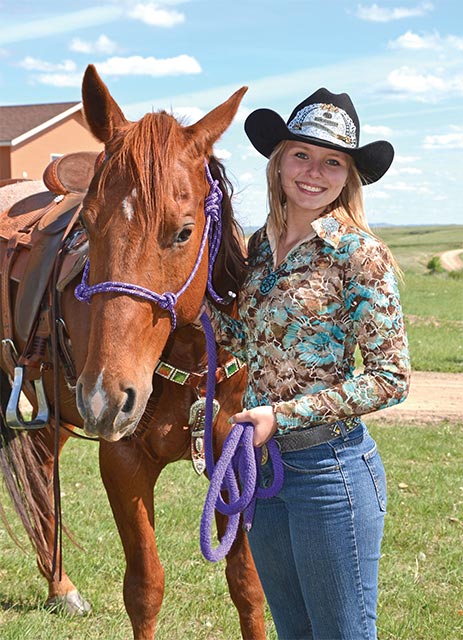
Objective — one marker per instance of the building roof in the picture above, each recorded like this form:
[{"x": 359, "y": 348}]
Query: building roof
[{"x": 18, "y": 123}]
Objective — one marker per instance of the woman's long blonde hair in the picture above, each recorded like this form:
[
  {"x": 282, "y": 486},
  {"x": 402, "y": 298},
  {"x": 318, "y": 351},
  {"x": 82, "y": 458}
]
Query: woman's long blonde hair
[{"x": 348, "y": 207}]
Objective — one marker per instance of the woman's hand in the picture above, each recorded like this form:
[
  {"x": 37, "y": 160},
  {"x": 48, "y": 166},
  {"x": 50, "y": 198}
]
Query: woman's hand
[{"x": 263, "y": 419}]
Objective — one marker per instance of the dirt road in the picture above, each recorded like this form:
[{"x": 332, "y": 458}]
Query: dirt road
[
  {"x": 451, "y": 260},
  {"x": 433, "y": 397}
]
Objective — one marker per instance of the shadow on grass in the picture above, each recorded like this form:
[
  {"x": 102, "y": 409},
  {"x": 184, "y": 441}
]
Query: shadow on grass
[{"x": 17, "y": 607}]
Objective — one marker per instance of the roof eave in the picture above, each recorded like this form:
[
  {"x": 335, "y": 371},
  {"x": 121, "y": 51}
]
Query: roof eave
[{"x": 44, "y": 125}]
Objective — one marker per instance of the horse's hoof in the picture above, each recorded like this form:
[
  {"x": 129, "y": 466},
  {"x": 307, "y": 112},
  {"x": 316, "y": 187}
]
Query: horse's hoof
[{"x": 72, "y": 604}]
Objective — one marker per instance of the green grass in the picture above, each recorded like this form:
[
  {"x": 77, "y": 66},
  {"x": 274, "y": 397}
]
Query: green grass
[
  {"x": 432, "y": 304},
  {"x": 421, "y": 583}
]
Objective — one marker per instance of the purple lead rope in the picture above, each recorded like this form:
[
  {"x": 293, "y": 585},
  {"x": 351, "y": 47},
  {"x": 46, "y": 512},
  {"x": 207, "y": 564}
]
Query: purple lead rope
[{"x": 238, "y": 466}]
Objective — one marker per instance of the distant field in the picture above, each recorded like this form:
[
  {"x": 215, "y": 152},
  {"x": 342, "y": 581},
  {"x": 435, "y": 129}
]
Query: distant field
[
  {"x": 414, "y": 246},
  {"x": 432, "y": 304}
]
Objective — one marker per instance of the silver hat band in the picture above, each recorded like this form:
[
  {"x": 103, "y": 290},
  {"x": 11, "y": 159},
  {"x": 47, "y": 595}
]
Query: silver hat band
[{"x": 325, "y": 122}]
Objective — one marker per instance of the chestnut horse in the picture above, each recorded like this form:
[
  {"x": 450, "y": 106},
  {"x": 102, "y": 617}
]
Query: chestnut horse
[{"x": 144, "y": 217}]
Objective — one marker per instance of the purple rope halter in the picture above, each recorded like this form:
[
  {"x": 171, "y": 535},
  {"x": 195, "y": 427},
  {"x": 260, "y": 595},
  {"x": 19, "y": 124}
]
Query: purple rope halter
[
  {"x": 168, "y": 300},
  {"x": 239, "y": 462}
]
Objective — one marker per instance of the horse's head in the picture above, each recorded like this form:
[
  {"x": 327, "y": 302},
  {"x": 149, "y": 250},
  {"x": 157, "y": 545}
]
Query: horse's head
[{"x": 145, "y": 219}]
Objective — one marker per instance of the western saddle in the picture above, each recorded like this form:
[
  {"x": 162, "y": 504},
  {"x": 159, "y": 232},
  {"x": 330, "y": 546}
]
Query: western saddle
[{"x": 41, "y": 251}]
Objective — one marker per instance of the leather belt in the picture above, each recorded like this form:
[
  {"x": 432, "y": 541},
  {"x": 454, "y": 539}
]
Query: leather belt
[{"x": 299, "y": 440}]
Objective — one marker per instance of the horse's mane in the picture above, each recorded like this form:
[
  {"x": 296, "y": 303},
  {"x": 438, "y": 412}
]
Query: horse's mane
[{"x": 231, "y": 265}]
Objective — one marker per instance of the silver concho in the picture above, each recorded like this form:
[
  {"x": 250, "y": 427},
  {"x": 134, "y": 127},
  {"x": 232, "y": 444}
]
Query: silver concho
[{"x": 196, "y": 422}]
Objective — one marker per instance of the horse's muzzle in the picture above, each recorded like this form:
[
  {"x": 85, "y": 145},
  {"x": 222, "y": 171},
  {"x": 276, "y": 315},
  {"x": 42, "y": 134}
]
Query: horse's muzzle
[{"x": 108, "y": 414}]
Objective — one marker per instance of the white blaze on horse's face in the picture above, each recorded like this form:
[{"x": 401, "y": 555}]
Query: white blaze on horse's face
[
  {"x": 98, "y": 397},
  {"x": 127, "y": 205}
]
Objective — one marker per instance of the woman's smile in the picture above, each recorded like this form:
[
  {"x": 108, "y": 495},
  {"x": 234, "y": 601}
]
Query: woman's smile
[{"x": 309, "y": 188}]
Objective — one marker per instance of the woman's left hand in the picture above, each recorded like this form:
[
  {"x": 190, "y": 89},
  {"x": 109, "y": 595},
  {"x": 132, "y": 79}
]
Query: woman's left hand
[{"x": 263, "y": 419}]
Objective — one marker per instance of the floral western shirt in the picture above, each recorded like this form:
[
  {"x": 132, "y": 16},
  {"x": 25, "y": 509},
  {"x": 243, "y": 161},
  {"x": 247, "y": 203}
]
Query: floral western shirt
[{"x": 299, "y": 323}]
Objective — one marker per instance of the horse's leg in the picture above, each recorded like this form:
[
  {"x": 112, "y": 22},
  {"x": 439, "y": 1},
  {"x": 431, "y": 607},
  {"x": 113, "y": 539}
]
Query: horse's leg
[
  {"x": 244, "y": 584},
  {"x": 129, "y": 476}
]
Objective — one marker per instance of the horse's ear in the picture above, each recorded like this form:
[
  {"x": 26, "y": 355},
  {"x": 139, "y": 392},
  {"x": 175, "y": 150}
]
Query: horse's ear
[
  {"x": 102, "y": 112},
  {"x": 209, "y": 129}
]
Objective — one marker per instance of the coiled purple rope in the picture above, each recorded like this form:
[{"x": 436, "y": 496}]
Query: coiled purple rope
[{"x": 238, "y": 465}]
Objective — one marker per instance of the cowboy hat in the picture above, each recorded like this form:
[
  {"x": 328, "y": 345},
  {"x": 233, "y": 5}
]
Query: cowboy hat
[{"x": 327, "y": 120}]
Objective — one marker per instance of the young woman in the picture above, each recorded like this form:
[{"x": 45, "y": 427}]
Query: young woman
[{"x": 319, "y": 285}]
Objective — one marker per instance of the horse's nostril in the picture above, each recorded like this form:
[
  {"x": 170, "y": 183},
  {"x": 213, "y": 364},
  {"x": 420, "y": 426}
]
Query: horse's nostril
[
  {"x": 79, "y": 398},
  {"x": 129, "y": 403}
]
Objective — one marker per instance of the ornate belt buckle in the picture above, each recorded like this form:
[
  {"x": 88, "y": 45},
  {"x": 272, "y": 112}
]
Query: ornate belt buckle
[{"x": 196, "y": 422}]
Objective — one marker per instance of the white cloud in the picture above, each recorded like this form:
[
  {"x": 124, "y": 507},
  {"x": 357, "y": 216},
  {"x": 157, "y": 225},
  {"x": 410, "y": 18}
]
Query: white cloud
[
  {"x": 137, "y": 65},
  {"x": 405, "y": 159},
  {"x": 377, "y": 194},
  {"x": 246, "y": 177},
  {"x": 399, "y": 171},
  {"x": 222, "y": 154},
  {"x": 435, "y": 41},
  {"x": 155, "y": 16},
  {"x": 59, "y": 23},
  {"x": 444, "y": 141},
  {"x": 455, "y": 41},
  {"x": 401, "y": 185},
  {"x": 60, "y": 79},
  {"x": 376, "y": 130},
  {"x": 34, "y": 64},
  {"x": 249, "y": 151},
  {"x": 102, "y": 45},
  {"x": 375, "y": 13},
  {"x": 188, "y": 115},
  {"x": 412, "y": 171},
  {"x": 408, "y": 80},
  {"x": 410, "y": 40}
]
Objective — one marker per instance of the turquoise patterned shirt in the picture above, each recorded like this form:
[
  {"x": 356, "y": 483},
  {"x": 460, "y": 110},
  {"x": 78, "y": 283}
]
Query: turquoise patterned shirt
[{"x": 299, "y": 323}]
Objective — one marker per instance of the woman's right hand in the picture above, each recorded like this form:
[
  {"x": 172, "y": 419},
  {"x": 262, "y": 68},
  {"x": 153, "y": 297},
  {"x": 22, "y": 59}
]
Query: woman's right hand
[{"x": 264, "y": 421}]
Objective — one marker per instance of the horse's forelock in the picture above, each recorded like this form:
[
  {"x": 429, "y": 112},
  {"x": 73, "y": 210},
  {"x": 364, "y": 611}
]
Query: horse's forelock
[{"x": 143, "y": 156}]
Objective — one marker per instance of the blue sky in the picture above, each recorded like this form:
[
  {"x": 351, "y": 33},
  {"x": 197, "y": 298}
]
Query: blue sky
[{"x": 400, "y": 61}]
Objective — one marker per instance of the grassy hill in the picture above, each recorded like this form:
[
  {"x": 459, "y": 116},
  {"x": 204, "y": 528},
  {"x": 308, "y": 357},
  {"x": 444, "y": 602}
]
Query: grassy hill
[{"x": 432, "y": 302}]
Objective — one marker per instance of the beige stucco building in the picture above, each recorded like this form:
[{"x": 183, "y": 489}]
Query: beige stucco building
[{"x": 33, "y": 135}]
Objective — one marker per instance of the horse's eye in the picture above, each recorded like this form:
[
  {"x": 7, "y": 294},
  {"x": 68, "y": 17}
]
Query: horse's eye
[{"x": 184, "y": 235}]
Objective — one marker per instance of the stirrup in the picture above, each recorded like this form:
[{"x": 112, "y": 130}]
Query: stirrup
[{"x": 13, "y": 416}]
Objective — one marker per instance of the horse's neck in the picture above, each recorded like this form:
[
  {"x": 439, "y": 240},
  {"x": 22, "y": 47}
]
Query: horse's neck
[{"x": 186, "y": 349}]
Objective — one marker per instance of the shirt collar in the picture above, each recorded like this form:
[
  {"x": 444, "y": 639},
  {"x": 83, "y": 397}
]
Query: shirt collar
[
  {"x": 329, "y": 229},
  {"x": 326, "y": 227}
]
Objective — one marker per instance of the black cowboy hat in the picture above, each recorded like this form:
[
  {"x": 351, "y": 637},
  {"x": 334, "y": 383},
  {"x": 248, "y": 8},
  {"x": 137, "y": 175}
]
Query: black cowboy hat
[{"x": 327, "y": 120}]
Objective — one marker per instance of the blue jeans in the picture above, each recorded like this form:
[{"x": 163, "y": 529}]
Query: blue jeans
[{"x": 316, "y": 545}]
